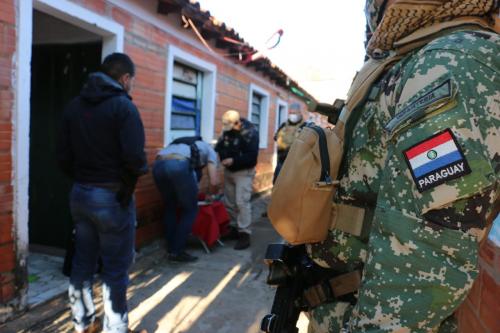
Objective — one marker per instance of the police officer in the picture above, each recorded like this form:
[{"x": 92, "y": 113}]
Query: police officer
[
  {"x": 286, "y": 134},
  {"x": 421, "y": 166},
  {"x": 238, "y": 149}
]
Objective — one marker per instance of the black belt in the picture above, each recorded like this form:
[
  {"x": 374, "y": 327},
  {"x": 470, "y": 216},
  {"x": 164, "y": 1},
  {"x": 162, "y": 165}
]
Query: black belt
[{"x": 108, "y": 186}]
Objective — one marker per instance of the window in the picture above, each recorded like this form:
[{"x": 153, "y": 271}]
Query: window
[
  {"x": 258, "y": 112},
  {"x": 281, "y": 112},
  {"x": 256, "y": 109},
  {"x": 186, "y": 101},
  {"x": 190, "y": 96}
]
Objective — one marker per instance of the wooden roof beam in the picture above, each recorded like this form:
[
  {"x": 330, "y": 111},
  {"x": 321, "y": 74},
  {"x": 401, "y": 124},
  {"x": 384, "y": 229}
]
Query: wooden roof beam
[{"x": 166, "y": 7}]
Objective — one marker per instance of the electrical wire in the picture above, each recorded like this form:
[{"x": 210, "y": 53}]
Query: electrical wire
[{"x": 244, "y": 56}]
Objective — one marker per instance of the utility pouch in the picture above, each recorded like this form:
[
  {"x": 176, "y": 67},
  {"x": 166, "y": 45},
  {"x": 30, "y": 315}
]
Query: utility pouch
[{"x": 301, "y": 202}]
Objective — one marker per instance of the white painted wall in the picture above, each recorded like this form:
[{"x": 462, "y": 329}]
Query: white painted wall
[{"x": 112, "y": 33}]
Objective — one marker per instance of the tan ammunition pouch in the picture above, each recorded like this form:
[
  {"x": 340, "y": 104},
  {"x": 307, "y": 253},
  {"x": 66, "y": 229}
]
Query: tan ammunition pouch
[{"x": 330, "y": 290}]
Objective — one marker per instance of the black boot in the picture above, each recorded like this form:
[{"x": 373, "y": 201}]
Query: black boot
[
  {"x": 243, "y": 241},
  {"x": 182, "y": 257},
  {"x": 231, "y": 234}
]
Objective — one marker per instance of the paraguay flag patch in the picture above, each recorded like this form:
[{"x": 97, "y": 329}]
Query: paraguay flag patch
[{"x": 436, "y": 160}]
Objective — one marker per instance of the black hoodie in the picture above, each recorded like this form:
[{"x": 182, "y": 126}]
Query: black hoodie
[{"x": 102, "y": 136}]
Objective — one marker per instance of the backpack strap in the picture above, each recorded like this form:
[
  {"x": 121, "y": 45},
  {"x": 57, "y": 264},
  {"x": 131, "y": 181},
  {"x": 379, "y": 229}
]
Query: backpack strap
[
  {"x": 323, "y": 153},
  {"x": 195, "y": 161}
]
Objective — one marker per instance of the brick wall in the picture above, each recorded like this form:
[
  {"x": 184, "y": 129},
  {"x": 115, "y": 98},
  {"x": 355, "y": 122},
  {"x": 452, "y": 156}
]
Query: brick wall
[
  {"x": 7, "y": 247},
  {"x": 480, "y": 312},
  {"x": 147, "y": 44}
]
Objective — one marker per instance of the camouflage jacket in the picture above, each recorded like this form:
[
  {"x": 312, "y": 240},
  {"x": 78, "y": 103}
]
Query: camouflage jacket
[
  {"x": 425, "y": 145},
  {"x": 285, "y": 136}
]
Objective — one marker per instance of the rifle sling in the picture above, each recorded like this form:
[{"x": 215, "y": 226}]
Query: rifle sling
[{"x": 331, "y": 289}]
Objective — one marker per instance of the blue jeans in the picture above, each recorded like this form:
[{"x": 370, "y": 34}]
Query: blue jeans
[
  {"x": 177, "y": 184},
  {"x": 103, "y": 228}
]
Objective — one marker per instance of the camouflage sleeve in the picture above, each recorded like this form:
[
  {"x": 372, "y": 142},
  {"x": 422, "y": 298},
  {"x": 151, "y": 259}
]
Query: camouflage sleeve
[
  {"x": 446, "y": 131},
  {"x": 441, "y": 174}
]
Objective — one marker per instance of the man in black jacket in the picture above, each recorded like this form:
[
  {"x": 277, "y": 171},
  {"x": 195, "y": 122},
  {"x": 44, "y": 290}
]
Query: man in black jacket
[
  {"x": 101, "y": 147},
  {"x": 238, "y": 149}
]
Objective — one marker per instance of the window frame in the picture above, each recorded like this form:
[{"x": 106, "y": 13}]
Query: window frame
[
  {"x": 280, "y": 102},
  {"x": 208, "y": 86},
  {"x": 264, "y": 113},
  {"x": 198, "y": 88}
]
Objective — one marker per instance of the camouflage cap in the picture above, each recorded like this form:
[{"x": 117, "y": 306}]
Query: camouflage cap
[{"x": 374, "y": 11}]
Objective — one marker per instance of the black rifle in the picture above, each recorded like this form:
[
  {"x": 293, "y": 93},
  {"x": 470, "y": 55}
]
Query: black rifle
[
  {"x": 292, "y": 271},
  {"x": 298, "y": 279},
  {"x": 285, "y": 270}
]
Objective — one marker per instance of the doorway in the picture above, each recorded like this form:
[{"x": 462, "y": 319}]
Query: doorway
[{"x": 63, "y": 55}]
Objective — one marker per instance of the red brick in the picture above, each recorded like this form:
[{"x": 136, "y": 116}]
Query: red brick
[
  {"x": 5, "y": 127},
  {"x": 5, "y": 164},
  {"x": 160, "y": 37},
  {"x": 468, "y": 322},
  {"x": 489, "y": 286},
  {"x": 489, "y": 308},
  {"x": 147, "y": 233},
  {"x": 5, "y": 71},
  {"x": 6, "y": 229},
  {"x": 7, "y": 12},
  {"x": 5, "y": 176},
  {"x": 7, "y": 39},
  {"x": 122, "y": 17},
  {"x": 153, "y": 80},
  {"x": 148, "y": 99},
  {"x": 487, "y": 253},
  {"x": 7, "y": 278},
  {"x": 147, "y": 59},
  {"x": 143, "y": 29},
  {"x": 7, "y": 257},
  {"x": 98, "y": 6},
  {"x": 7, "y": 292}
]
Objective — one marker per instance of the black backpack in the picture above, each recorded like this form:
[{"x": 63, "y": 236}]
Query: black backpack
[{"x": 195, "y": 160}]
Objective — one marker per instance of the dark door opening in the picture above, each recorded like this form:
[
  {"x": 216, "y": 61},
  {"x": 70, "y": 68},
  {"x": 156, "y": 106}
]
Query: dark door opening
[{"x": 59, "y": 67}]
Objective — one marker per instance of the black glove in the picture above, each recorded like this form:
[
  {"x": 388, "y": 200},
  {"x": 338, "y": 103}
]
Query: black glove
[{"x": 126, "y": 191}]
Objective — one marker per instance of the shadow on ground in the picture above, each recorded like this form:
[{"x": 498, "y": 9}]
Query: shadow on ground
[{"x": 223, "y": 292}]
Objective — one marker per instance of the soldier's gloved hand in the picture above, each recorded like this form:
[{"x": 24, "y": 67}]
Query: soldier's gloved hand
[{"x": 124, "y": 196}]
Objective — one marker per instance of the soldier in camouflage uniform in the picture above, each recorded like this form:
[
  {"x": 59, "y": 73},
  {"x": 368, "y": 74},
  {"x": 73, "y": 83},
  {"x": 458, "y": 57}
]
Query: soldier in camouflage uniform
[
  {"x": 422, "y": 157},
  {"x": 286, "y": 134}
]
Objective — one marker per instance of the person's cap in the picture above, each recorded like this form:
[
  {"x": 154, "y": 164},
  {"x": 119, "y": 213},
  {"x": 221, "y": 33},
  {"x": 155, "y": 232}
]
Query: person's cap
[
  {"x": 294, "y": 106},
  {"x": 230, "y": 118}
]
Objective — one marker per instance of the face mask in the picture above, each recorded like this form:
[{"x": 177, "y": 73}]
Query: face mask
[{"x": 294, "y": 118}]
